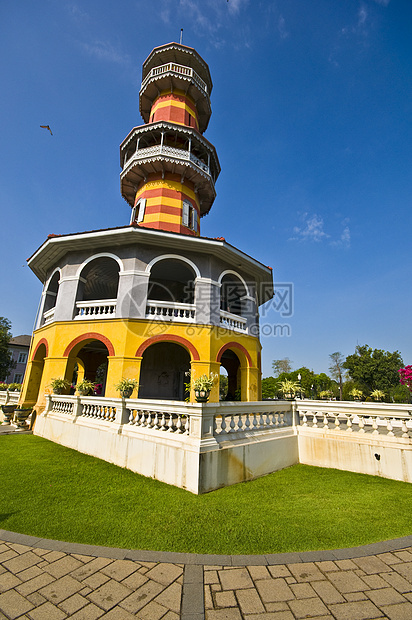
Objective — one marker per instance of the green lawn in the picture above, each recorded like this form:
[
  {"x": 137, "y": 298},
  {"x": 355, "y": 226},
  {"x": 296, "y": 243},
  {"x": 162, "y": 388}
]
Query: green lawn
[{"x": 54, "y": 492}]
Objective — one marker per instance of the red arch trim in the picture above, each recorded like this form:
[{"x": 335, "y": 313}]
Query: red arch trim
[
  {"x": 89, "y": 336},
  {"x": 46, "y": 344},
  {"x": 234, "y": 345},
  {"x": 168, "y": 338}
]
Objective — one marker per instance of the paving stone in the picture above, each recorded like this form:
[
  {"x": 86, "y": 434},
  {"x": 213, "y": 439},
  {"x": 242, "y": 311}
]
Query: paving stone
[
  {"x": 119, "y": 614},
  {"x": 8, "y": 581},
  {"x": 61, "y": 589},
  {"x": 359, "y": 572},
  {"x": 279, "y": 615},
  {"x": 362, "y": 610},
  {"x": 226, "y": 599},
  {"x": 226, "y": 614},
  {"x": 259, "y": 572},
  {"x": 19, "y": 548},
  {"x": 279, "y": 571},
  {"x": 401, "y": 611},
  {"x": 73, "y": 604},
  {"x": 388, "y": 558},
  {"x": 290, "y": 580},
  {"x": 62, "y": 567},
  {"x": 385, "y": 596},
  {"x": 90, "y": 568},
  {"x": 53, "y": 556},
  {"x": 303, "y": 590},
  {"x": 208, "y": 598},
  {"x": 405, "y": 556},
  {"x": 34, "y": 584},
  {"x": 120, "y": 569},
  {"x": 281, "y": 606},
  {"x": 171, "y": 616},
  {"x": 374, "y": 582},
  {"x": 7, "y": 555},
  {"x": 249, "y": 601},
  {"x": 90, "y": 612},
  {"x": 134, "y": 581},
  {"x": 211, "y": 576},
  {"x": 164, "y": 573},
  {"x": 372, "y": 565},
  {"x": 326, "y": 566},
  {"x": 308, "y": 608},
  {"x": 306, "y": 571},
  {"x": 327, "y": 592},
  {"x": 171, "y": 597},
  {"x": 95, "y": 581},
  {"x": 30, "y": 573},
  {"x": 235, "y": 579},
  {"x": 82, "y": 558},
  {"x": 215, "y": 587},
  {"x": 36, "y": 599},
  {"x": 152, "y": 611},
  {"x": 141, "y": 597},
  {"x": 397, "y": 582},
  {"x": 345, "y": 565},
  {"x": 274, "y": 590},
  {"x": 109, "y": 594},
  {"x": 404, "y": 569},
  {"x": 21, "y": 562},
  {"x": 356, "y": 596},
  {"x": 347, "y": 581},
  {"x": 47, "y": 611},
  {"x": 13, "y": 604},
  {"x": 40, "y": 552}
]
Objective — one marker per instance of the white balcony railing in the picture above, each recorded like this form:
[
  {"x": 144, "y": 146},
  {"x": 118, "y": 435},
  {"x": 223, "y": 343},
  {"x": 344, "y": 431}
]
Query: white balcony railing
[
  {"x": 170, "y": 311},
  {"x": 167, "y": 151},
  {"x": 48, "y": 316},
  {"x": 172, "y": 67},
  {"x": 233, "y": 321},
  {"x": 98, "y": 309}
]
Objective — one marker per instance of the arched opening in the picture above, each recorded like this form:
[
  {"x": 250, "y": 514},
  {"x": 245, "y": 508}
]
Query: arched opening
[
  {"x": 34, "y": 376},
  {"x": 172, "y": 280},
  {"x": 97, "y": 288},
  {"x": 231, "y": 363},
  {"x": 232, "y": 292},
  {"x": 51, "y": 298},
  {"x": 89, "y": 362},
  {"x": 163, "y": 371}
]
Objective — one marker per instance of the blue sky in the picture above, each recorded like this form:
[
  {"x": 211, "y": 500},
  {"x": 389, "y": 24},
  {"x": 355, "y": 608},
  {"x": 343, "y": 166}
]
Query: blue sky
[{"x": 311, "y": 121}]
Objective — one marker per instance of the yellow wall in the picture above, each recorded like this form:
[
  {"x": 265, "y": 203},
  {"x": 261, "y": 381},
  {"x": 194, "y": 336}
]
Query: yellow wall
[{"x": 126, "y": 336}]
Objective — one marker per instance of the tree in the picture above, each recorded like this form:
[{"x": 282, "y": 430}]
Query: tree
[
  {"x": 374, "y": 369},
  {"x": 281, "y": 366},
  {"x": 269, "y": 388},
  {"x": 6, "y": 361},
  {"x": 337, "y": 369}
]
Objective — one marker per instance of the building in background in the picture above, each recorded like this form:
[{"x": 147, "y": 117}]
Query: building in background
[{"x": 19, "y": 347}]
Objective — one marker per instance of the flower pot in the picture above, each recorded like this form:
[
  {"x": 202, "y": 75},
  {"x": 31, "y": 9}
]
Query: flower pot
[
  {"x": 21, "y": 417},
  {"x": 84, "y": 392},
  {"x": 126, "y": 393},
  {"x": 58, "y": 390},
  {"x": 202, "y": 396},
  {"x": 8, "y": 411}
]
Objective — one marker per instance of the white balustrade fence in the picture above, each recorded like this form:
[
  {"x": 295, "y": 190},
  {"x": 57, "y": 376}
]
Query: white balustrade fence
[
  {"x": 9, "y": 398},
  {"x": 267, "y": 419},
  {"x": 233, "y": 321},
  {"x": 386, "y": 419},
  {"x": 172, "y": 67},
  {"x": 99, "y": 309},
  {"x": 48, "y": 316},
  {"x": 164, "y": 310},
  {"x": 159, "y": 420},
  {"x": 165, "y": 151}
]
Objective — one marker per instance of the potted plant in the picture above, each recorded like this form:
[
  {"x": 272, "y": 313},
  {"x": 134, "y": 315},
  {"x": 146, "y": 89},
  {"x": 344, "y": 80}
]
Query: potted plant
[
  {"x": 8, "y": 411},
  {"x": 21, "y": 415},
  {"x": 85, "y": 387},
  {"x": 378, "y": 395},
  {"x": 59, "y": 386},
  {"x": 288, "y": 388},
  {"x": 356, "y": 394},
  {"x": 126, "y": 387},
  {"x": 202, "y": 386}
]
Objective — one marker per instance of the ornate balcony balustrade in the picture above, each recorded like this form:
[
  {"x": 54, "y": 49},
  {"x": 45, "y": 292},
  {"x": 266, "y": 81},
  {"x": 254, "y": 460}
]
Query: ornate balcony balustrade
[
  {"x": 99, "y": 309},
  {"x": 48, "y": 316},
  {"x": 170, "y": 311},
  {"x": 233, "y": 321},
  {"x": 174, "y": 69},
  {"x": 166, "y": 151}
]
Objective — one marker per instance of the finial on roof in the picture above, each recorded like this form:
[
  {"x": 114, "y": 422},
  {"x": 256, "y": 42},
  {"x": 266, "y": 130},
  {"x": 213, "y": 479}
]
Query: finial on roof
[{"x": 181, "y": 36}]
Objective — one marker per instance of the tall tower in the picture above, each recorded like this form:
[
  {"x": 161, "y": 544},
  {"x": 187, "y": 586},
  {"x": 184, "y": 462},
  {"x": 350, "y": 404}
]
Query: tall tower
[
  {"x": 152, "y": 299},
  {"x": 169, "y": 169}
]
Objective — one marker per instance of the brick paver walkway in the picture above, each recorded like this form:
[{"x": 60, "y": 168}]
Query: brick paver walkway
[{"x": 52, "y": 580}]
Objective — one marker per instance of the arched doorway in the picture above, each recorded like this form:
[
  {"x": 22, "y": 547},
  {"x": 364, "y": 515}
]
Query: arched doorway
[
  {"x": 231, "y": 363},
  {"x": 34, "y": 374},
  {"x": 232, "y": 292},
  {"x": 89, "y": 362},
  {"x": 162, "y": 374},
  {"x": 99, "y": 280},
  {"x": 51, "y": 298}
]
